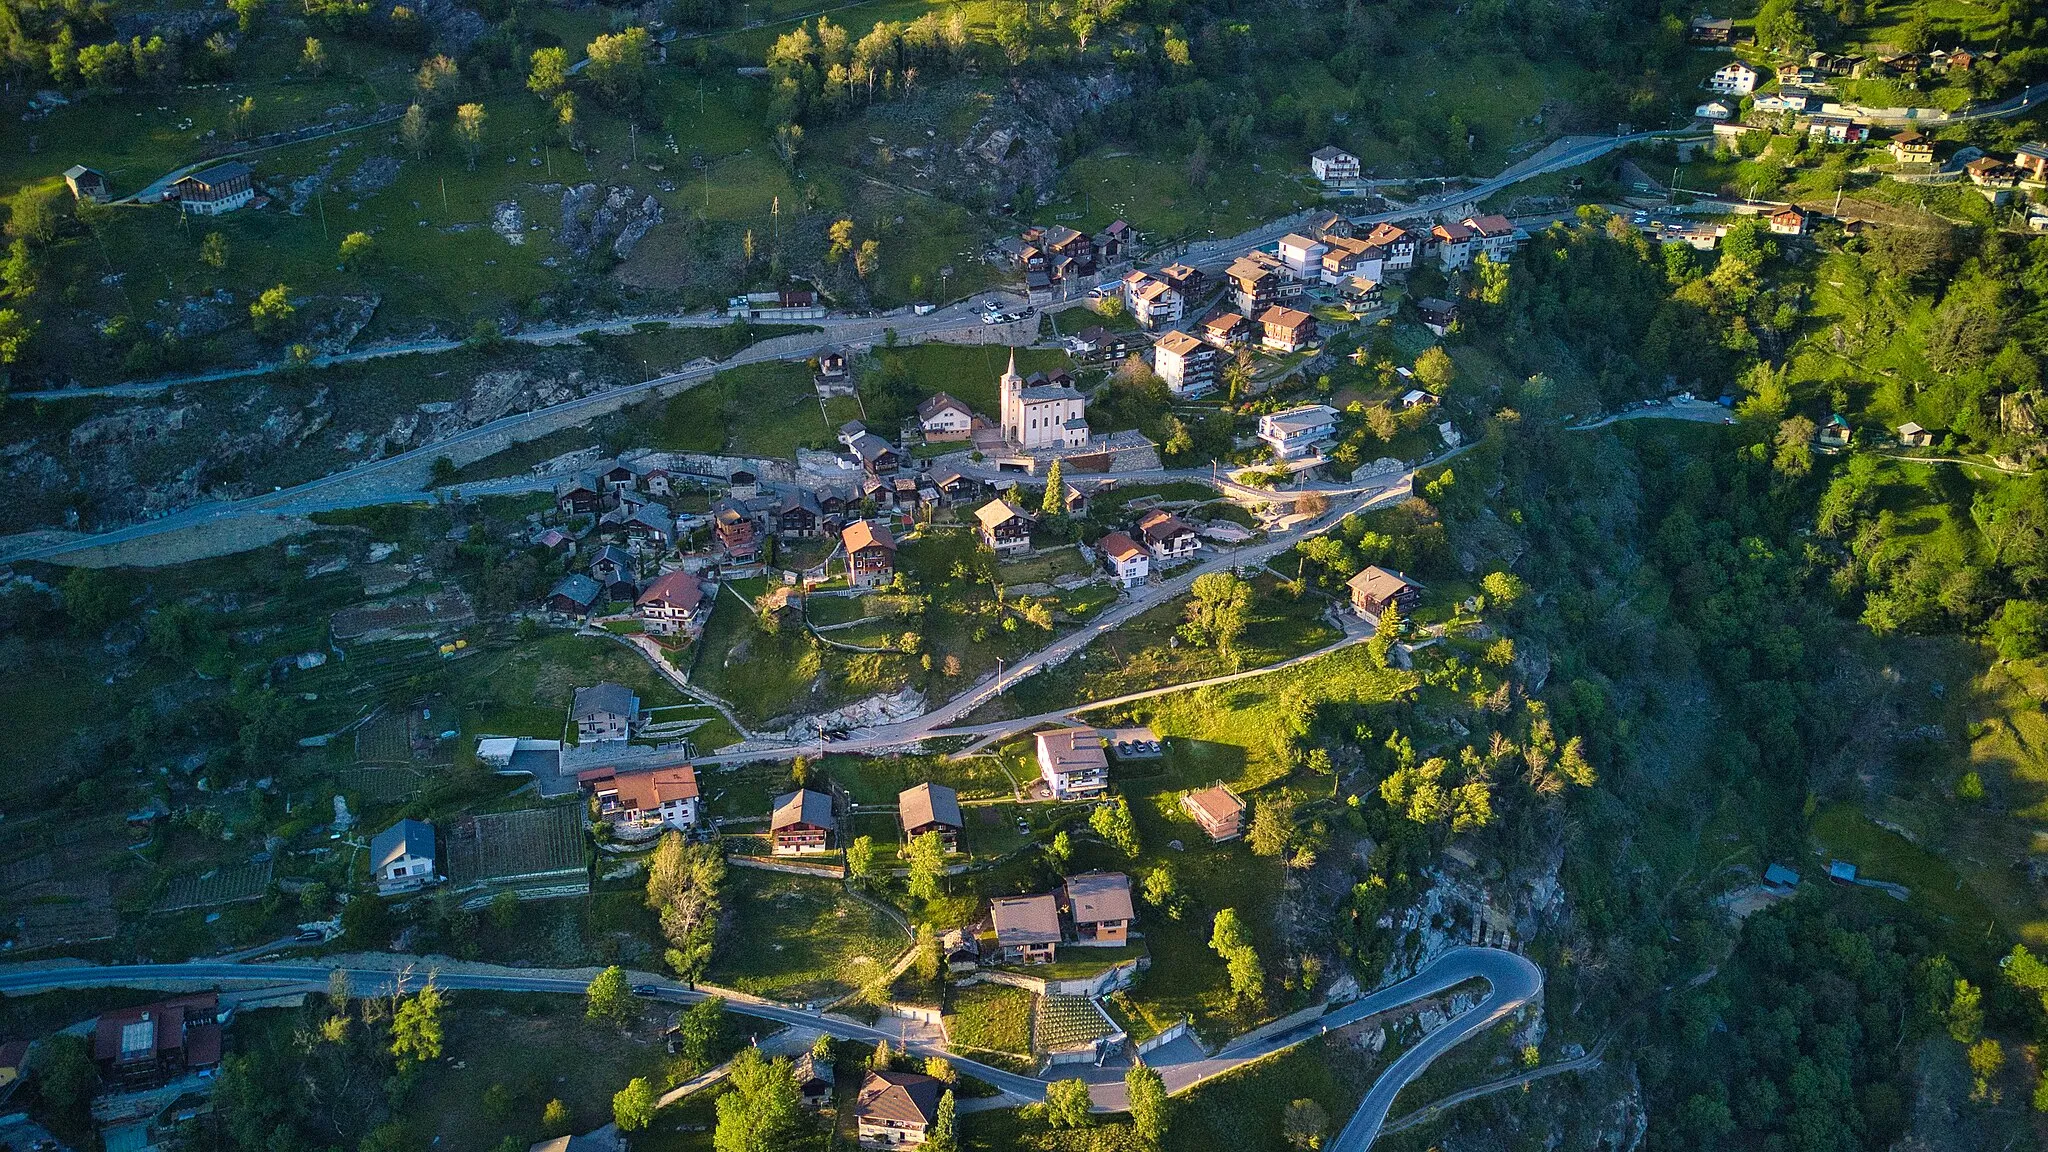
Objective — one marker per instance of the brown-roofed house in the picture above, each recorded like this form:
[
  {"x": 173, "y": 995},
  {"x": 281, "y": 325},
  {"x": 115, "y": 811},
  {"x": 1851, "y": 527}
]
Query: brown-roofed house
[
  {"x": 1375, "y": 587},
  {"x": 802, "y": 823},
  {"x": 1168, "y": 536},
  {"x": 931, "y": 808},
  {"x": 895, "y": 1109},
  {"x": 1217, "y": 810},
  {"x": 1072, "y": 763},
  {"x": 156, "y": 1043},
  {"x": 1099, "y": 904},
  {"x": 643, "y": 804},
  {"x": 870, "y": 553},
  {"x": 1003, "y": 527},
  {"x": 1127, "y": 562},
  {"x": 1286, "y": 329},
  {"x": 1027, "y": 927},
  {"x": 669, "y": 605},
  {"x": 942, "y": 417}
]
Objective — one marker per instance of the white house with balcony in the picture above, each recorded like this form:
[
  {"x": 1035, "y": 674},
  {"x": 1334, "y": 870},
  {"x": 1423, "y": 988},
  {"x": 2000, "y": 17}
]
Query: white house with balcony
[
  {"x": 1296, "y": 431},
  {"x": 1733, "y": 79}
]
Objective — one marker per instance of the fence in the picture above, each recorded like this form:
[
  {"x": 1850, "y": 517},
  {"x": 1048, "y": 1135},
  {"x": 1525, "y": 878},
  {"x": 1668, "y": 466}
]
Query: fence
[
  {"x": 1100, "y": 984},
  {"x": 824, "y": 871},
  {"x": 1164, "y": 1038}
]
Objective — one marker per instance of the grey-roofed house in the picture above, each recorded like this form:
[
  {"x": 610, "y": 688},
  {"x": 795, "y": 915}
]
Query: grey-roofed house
[
  {"x": 1072, "y": 763},
  {"x": 573, "y": 595},
  {"x": 1099, "y": 904},
  {"x": 801, "y": 823},
  {"x": 931, "y": 808},
  {"x": 605, "y": 712},
  {"x": 1027, "y": 928},
  {"x": 896, "y": 1109},
  {"x": 874, "y": 453},
  {"x": 814, "y": 1080},
  {"x": 87, "y": 184},
  {"x": 402, "y": 857}
]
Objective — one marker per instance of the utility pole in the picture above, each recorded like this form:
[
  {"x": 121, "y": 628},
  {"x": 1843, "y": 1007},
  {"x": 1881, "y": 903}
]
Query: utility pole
[
  {"x": 320, "y": 199},
  {"x": 444, "y": 196}
]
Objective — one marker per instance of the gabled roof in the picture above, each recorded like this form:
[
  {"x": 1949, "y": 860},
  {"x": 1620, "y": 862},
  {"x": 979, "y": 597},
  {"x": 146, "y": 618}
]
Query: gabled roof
[
  {"x": 1379, "y": 583},
  {"x": 1288, "y": 318},
  {"x": 930, "y": 804},
  {"x": 1331, "y": 152},
  {"x": 1159, "y": 526},
  {"x": 1180, "y": 343},
  {"x": 645, "y": 791},
  {"x": 866, "y": 534},
  {"x": 604, "y": 698},
  {"x": 218, "y": 174},
  {"x": 802, "y": 807},
  {"x": 1297, "y": 240},
  {"x": 1025, "y": 919},
  {"x": 406, "y": 838},
  {"x": 800, "y": 499},
  {"x": 999, "y": 512},
  {"x": 1386, "y": 234},
  {"x": 612, "y": 553},
  {"x": 1119, "y": 547},
  {"x": 904, "y": 1097},
  {"x": 939, "y": 403},
  {"x": 870, "y": 447},
  {"x": 578, "y": 588},
  {"x": 1492, "y": 224},
  {"x": 678, "y": 589},
  {"x": 1097, "y": 897}
]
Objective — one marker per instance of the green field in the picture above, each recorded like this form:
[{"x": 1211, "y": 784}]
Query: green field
[
  {"x": 797, "y": 939},
  {"x": 991, "y": 1016}
]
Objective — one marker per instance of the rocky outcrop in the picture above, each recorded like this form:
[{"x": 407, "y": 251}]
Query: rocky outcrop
[{"x": 1017, "y": 142}]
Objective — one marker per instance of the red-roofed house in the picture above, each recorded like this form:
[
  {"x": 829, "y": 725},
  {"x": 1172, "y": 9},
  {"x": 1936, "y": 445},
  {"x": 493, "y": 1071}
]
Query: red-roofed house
[
  {"x": 642, "y": 804},
  {"x": 670, "y": 604},
  {"x": 156, "y": 1043},
  {"x": 870, "y": 554}
]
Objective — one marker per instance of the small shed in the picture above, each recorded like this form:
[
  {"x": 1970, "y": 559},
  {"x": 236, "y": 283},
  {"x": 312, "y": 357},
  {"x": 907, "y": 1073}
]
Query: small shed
[{"x": 88, "y": 184}]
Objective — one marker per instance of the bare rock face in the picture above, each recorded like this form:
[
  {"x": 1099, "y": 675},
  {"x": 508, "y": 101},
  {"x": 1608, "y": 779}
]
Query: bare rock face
[
  {"x": 1017, "y": 141},
  {"x": 616, "y": 220}
]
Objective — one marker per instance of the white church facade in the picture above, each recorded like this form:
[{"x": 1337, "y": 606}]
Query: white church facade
[{"x": 1043, "y": 411}]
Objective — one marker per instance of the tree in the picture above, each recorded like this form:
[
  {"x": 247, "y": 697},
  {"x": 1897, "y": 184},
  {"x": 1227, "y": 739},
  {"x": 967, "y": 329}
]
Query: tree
[
  {"x": 550, "y": 74},
  {"x": 699, "y": 1030},
  {"x": 1054, "y": 503},
  {"x": 555, "y": 1119},
  {"x": 66, "y": 1078},
  {"x": 1381, "y": 646},
  {"x": 1231, "y": 940},
  {"x": 762, "y": 1111},
  {"x": 841, "y": 234},
  {"x": 441, "y": 474},
  {"x": 1504, "y": 590},
  {"x": 927, "y": 866},
  {"x": 879, "y": 1060},
  {"x": 1060, "y": 850},
  {"x": 246, "y": 12},
  {"x": 867, "y": 259},
  {"x": 941, "y": 1069},
  {"x": 213, "y": 251},
  {"x": 1149, "y": 1103},
  {"x": 1435, "y": 370},
  {"x": 15, "y": 334},
  {"x": 609, "y": 999},
  {"x": 1304, "y": 1124},
  {"x": 437, "y": 81},
  {"x": 1987, "y": 1059},
  {"x": 469, "y": 128},
  {"x": 34, "y": 216},
  {"x": 943, "y": 1137},
  {"x": 683, "y": 890},
  {"x": 356, "y": 248},
  {"x": 1067, "y": 1103},
  {"x": 1216, "y": 615},
  {"x": 414, "y": 129},
  {"x": 416, "y": 1026},
  {"x": 1272, "y": 825},
  {"x": 633, "y": 1106},
  {"x": 927, "y": 959},
  {"x": 313, "y": 57},
  {"x": 860, "y": 859},
  {"x": 1965, "y": 1013},
  {"x": 1113, "y": 822},
  {"x": 1794, "y": 456},
  {"x": 273, "y": 309},
  {"x": 1162, "y": 890},
  {"x": 618, "y": 67}
]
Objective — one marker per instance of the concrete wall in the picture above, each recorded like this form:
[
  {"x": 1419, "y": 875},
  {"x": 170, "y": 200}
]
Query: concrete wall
[
  {"x": 765, "y": 864},
  {"x": 1164, "y": 1038}
]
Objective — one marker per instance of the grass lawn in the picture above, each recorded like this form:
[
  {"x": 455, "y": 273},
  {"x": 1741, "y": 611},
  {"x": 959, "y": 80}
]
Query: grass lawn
[
  {"x": 767, "y": 410},
  {"x": 992, "y": 1016},
  {"x": 1959, "y": 914},
  {"x": 1139, "y": 654},
  {"x": 969, "y": 371},
  {"x": 1238, "y": 720},
  {"x": 769, "y": 676},
  {"x": 541, "y": 1049},
  {"x": 797, "y": 939}
]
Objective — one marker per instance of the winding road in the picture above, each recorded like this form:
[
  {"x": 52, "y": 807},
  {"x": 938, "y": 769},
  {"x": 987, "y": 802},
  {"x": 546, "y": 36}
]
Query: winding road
[{"x": 1512, "y": 981}]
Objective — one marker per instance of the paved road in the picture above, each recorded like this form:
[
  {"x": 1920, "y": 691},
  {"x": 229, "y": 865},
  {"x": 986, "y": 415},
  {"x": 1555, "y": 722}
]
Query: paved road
[
  {"x": 395, "y": 475},
  {"x": 1385, "y": 490},
  {"x": 1432, "y": 1110},
  {"x": 1513, "y": 981}
]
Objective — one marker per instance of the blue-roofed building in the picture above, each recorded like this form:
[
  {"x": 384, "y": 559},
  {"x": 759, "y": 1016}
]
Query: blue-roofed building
[{"x": 1779, "y": 876}]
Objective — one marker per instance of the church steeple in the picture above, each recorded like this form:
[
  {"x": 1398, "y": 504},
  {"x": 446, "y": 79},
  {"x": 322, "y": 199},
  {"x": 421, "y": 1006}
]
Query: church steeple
[{"x": 1010, "y": 393}]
